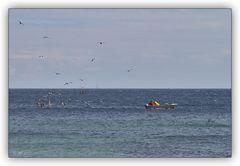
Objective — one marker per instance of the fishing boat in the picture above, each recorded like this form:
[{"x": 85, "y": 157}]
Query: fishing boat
[{"x": 165, "y": 106}]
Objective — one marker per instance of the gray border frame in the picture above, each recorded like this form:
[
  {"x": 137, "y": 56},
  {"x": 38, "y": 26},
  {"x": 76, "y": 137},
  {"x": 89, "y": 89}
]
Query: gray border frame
[{"x": 116, "y": 8}]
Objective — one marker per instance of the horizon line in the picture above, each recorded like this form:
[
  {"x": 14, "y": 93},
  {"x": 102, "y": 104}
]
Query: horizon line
[{"x": 122, "y": 88}]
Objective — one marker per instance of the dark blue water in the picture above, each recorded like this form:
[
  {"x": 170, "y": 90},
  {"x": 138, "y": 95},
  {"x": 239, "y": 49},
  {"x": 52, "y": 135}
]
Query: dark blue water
[{"x": 114, "y": 123}]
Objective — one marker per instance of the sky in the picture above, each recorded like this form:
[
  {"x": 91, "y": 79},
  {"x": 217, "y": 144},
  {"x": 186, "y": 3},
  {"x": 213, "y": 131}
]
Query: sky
[{"x": 163, "y": 48}]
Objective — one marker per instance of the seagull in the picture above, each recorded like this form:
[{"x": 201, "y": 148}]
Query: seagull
[
  {"x": 50, "y": 93},
  {"x": 45, "y": 37},
  {"x": 40, "y": 56},
  {"x": 92, "y": 59},
  {"x": 21, "y": 23},
  {"x": 100, "y": 43},
  {"x": 81, "y": 79},
  {"x": 129, "y": 70},
  {"x": 63, "y": 104},
  {"x": 66, "y": 83},
  {"x": 57, "y": 73}
]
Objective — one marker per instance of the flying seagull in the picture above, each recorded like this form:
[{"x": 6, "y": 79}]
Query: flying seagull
[
  {"x": 100, "y": 43},
  {"x": 67, "y": 83},
  {"x": 81, "y": 79},
  {"x": 92, "y": 59},
  {"x": 45, "y": 37},
  {"x": 40, "y": 56},
  {"x": 129, "y": 70},
  {"x": 57, "y": 73},
  {"x": 21, "y": 23}
]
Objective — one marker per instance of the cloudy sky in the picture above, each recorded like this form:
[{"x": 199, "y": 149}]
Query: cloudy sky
[{"x": 165, "y": 48}]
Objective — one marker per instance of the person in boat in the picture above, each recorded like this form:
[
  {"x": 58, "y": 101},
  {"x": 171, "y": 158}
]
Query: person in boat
[
  {"x": 40, "y": 103},
  {"x": 151, "y": 103},
  {"x": 154, "y": 103}
]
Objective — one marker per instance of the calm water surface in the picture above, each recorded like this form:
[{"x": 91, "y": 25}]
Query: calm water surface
[{"x": 114, "y": 123}]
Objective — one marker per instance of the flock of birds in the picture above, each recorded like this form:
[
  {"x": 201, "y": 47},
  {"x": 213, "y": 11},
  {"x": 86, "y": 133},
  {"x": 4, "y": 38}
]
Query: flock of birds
[
  {"x": 92, "y": 59},
  {"x": 42, "y": 102}
]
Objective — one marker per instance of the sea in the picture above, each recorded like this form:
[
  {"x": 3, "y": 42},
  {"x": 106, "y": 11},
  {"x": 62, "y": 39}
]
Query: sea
[{"x": 108, "y": 123}]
